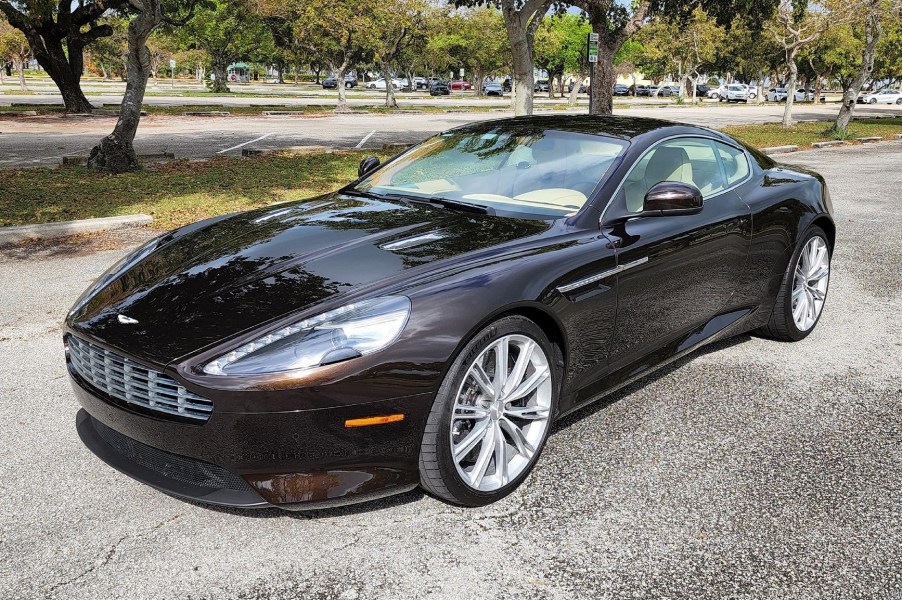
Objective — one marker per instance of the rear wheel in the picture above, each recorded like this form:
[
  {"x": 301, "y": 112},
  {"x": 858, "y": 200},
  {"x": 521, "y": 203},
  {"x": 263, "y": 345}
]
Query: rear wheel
[
  {"x": 491, "y": 416},
  {"x": 803, "y": 292}
]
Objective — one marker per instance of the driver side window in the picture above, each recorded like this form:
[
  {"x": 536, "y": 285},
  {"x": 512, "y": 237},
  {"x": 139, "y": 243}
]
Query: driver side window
[{"x": 689, "y": 160}]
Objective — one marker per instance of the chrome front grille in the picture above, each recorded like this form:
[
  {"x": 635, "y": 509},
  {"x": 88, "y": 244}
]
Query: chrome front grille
[{"x": 133, "y": 383}]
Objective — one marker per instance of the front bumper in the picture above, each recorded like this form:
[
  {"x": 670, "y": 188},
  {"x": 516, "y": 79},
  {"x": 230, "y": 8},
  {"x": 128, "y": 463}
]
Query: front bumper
[{"x": 298, "y": 460}]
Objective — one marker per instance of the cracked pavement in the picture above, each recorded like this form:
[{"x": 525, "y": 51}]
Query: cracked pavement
[{"x": 751, "y": 469}]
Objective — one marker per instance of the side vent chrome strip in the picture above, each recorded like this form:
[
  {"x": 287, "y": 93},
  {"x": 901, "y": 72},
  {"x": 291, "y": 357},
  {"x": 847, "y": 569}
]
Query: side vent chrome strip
[{"x": 599, "y": 276}]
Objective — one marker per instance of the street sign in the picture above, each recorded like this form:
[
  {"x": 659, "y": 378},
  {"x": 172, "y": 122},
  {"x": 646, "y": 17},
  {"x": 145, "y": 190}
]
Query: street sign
[
  {"x": 461, "y": 71},
  {"x": 592, "y": 48},
  {"x": 171, "y": 63}
]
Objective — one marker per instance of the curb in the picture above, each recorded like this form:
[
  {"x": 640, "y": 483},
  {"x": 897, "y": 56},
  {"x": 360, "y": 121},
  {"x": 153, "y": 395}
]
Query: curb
[
  {"x": 10, "y": 235},
  {"x": 248, "y": 152},
  {"x": 866, "y": 140},
  {"x": 212, "y": 113},
  {"x": 779, "y": 149},
  {"x": 828, "y": 144}
]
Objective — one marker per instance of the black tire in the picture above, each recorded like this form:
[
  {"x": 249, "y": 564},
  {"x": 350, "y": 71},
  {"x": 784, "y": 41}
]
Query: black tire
[
  {"x": 781, "y": 325},
  {"x": 438, "y": 473}
]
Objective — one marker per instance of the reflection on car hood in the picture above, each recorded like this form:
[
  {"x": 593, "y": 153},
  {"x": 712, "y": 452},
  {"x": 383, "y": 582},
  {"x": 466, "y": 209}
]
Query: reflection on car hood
[{"x": 204, "y": 284}]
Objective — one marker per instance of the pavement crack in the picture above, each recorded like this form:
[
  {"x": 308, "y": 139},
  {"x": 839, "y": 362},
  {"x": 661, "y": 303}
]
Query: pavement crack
[{"x": 106, "y": 558}]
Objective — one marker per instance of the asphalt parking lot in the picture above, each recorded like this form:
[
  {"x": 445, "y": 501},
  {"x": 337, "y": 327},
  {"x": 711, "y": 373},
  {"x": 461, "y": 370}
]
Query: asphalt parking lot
[
  {"x": 45, "y": 140},
  {"x": 754, "y": 469}
]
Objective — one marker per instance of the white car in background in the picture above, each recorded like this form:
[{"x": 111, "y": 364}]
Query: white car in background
[
  {"x": 882, "y": 97},
  {"x": 780, "y": 94},
  {"x": 380, "y": 84},
  {"x": 734, "y": 92}
]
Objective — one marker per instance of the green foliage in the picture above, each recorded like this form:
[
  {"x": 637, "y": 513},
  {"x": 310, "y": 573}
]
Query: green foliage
[
  {"x": 560, "y": 44},
  {"x": 473, "y": 39}
]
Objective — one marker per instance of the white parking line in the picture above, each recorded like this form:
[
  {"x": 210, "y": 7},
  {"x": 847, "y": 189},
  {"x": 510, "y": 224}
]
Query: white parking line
[
  {"x": 363, "y": 141},
  {"x": 262, "y": 137}
]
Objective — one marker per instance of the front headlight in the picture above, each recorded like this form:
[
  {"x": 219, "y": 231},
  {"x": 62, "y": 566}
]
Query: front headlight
[
  {"x": 123, "y": 265},
  {"x": 348, "y": 332}
]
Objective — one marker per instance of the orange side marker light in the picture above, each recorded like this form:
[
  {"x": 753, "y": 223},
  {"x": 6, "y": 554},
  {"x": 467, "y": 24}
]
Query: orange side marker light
[{"x": 381, "y": 420}]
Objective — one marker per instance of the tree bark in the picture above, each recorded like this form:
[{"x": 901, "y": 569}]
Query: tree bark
[
  {"x": 220, "y": 68},
  {"x": 390, "y": 101},
  {"x": 342, "y": 106},
  {"x": 22, "y": 75},
  {"x": 790, "y": 86},
  {"x": 761, "y": 91},
  {"x": 603, "y": 77},
  {"x": 872, "y": 31},
  {"x": 521, "y": 23},
  {"x": 51, "y": 56},
  {"x": 116, "y": 152}
]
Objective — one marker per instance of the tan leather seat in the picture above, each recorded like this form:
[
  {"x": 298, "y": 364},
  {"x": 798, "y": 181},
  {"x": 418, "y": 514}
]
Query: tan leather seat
[{"x": 667, "y": 163}]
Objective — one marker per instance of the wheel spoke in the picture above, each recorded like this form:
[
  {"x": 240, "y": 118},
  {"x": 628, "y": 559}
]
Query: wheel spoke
[
  {"x": 529, "y": 413},
  {"x": 478, "y": 374},
  {"x": 519, "y": 371},
  {"x": 817, "y": 294},
  {"x": 500, "y": 365},
  {"x": 468, "y": 411},
  {"x": 524, "y": 448},
  {"x": 529, "y": 385},
  {"x": 801, "y": 308},
  {"x": 500, "y": 455},
  {"x": 485, "y": 455},
  {"x": 476, "y": 435},
  {"x": 819, "y": 273}
]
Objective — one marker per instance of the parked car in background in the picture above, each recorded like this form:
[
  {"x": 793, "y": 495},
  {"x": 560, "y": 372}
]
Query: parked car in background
[
  {"x": 734, "y": 92},
  {"x": 674, "y": 90},
  {"x": 380, "y": 84},
  {"x": 421, "y": 83},
  {"x": 461, "y": 85},
  {"x": 439, "y": 88},
  {"x": 330, "y": 83},
  {"x": 621, "y": 90},
  {"x": 702, "y": 89},
  {"x": 492, "y": 88},
  {"x": 882, "y": 97},
  {"x": 541, "y": 85},
  {"x": 780, "y": 94}
]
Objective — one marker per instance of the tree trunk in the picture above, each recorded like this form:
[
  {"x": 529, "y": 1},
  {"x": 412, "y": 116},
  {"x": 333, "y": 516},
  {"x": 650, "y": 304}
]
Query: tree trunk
[
  {"x": 577, "y": 81},
  {"x": 521, "y": 58},
  {"x": 872, "y": 32},
  {"x": 603, "y": 78},
  {"x": 219, "y": 85},
  {"x": 760, "y": 98},
  {"x": 790, "y": 86},
  {"x": 22, "y": 75},
  {"x": 116, "y": 152},
  {"x": 390, "y": 101},
  {"x": 342, "y": 106},
  {"x": 52, "y": 58}
]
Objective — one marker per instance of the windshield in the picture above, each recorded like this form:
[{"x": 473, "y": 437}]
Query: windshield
[{"x": 518, "y": 170}]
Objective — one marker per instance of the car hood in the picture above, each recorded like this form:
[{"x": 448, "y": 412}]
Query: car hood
[{"x": 206, "y": 283}]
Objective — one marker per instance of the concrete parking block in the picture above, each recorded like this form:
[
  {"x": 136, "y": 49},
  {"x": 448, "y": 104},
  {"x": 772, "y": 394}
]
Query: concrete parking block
[
  {"x": 207, "y": 113},
  {"x": 828, "y": 144},
  {"x": 865, "y": 140},
  {"x": 779, "y": 149},
  {"x": 11, "y": 235}
]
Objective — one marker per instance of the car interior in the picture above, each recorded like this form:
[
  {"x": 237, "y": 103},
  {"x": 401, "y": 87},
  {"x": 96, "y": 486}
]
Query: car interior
[{"x": 553, "y": 174}]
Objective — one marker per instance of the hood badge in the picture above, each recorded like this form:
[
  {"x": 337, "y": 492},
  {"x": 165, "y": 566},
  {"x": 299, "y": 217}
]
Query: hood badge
[{"x": 126, "y": 320}]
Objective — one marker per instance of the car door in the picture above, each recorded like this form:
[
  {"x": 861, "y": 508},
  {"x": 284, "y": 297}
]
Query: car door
[{"x": 676, "y": 272}]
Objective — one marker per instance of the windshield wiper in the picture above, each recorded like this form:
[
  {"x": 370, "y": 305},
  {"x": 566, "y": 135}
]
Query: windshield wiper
[{"x": 443, "y": 202}]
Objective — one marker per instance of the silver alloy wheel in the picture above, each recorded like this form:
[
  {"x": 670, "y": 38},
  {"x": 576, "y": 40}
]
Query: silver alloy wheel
[
  {"x": 501, "y": 412},
  {"x": 809, "y": 288}
]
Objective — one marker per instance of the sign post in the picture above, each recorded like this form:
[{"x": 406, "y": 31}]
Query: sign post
[
  {"x": 592, "y": 57},
  {"x": 172, "y": 71}
]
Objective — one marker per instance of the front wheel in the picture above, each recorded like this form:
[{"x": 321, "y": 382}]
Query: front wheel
[
  {"x": 873, "y": 100},
  {"x": 899, "y": 101},
  {"x": 492, "y": 414},
  {"x": 803, "y": 292}
]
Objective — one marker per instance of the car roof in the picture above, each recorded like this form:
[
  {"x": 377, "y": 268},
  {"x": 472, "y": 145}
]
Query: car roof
[{"x": 626, "y": 128}]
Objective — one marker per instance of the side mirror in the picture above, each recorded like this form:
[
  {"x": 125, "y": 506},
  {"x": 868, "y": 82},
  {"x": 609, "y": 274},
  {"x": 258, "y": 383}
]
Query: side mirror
[
  {"x": 367, "y": 165},
  {"x": 672, "y": 198}
]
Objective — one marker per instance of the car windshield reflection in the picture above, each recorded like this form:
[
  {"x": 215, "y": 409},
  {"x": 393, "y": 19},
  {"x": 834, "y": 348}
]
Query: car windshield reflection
[{"x": 515, "y": 170}]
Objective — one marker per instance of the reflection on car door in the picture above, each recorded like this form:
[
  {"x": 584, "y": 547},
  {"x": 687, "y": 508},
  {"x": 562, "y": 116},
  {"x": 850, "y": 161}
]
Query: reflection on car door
[{"x": 677, "y": 272}]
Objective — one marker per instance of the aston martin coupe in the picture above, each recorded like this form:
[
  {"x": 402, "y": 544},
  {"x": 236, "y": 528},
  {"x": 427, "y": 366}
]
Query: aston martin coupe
[{"x": 426, "y": 324}]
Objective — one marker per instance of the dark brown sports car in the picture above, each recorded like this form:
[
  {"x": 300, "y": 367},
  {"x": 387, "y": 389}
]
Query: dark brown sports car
[{"x": 425, "y": 325}]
